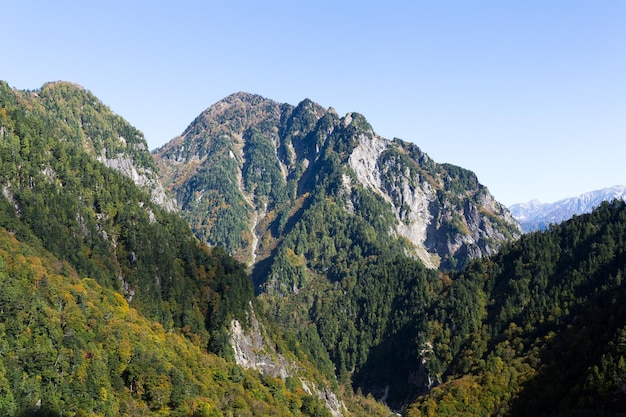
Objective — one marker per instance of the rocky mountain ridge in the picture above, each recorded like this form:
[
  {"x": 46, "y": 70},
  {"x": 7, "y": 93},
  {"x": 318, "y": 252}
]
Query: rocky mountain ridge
[
  {"x": 535, "y": 215},
  {"x": 268, "y": 154}
]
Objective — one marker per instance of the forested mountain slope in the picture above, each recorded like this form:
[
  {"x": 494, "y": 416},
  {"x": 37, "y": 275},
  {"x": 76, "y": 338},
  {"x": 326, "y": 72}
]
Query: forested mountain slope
[
  {"x": 59, "y": 187},
  {"x": 539, "y": 329},
  {"x": 71, "y": 347},
  {"x": 109, "y": 305}
]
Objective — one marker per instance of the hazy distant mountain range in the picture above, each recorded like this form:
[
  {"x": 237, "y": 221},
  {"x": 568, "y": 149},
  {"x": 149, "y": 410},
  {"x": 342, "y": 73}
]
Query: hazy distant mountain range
[{"x": 535, "y": 215}]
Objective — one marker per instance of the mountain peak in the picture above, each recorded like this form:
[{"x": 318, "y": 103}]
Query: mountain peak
[
  {"x": 243, "y": 96},
  {"x": 239, "y": 107},
  {"x": 61, "y": 84},
  {"x": 248, "y": 159}
]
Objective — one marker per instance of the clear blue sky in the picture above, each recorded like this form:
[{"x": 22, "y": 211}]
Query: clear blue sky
[{"x": 530, "y": 95}]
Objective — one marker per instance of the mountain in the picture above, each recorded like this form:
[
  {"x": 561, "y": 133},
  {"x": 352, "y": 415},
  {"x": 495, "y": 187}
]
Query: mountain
[
  {"x": 535, "y": 215},
  {"x": 79, "y": 179},
  {"x": 248, "y": 168},
  {"x": 532, "y": 328},
  {"x": 110, "y": 306}
]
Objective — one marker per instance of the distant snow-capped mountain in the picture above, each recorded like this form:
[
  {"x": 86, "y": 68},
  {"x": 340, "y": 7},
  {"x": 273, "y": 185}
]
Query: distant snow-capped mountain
[{"x": 535, "y": 215}]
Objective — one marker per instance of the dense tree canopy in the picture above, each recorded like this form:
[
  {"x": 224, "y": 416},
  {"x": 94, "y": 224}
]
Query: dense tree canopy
[
  {"x": 71, "y": 347},
  {"x": 542, "y": 329},
  {"x": 109, "y": 303}
]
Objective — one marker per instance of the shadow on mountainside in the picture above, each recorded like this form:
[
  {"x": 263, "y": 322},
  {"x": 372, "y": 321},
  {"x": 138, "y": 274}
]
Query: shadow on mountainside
[{"x": 562, "y": 386}]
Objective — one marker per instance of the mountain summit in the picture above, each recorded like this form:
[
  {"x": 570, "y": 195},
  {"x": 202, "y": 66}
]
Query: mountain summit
[{"x": 248, "y": 169}]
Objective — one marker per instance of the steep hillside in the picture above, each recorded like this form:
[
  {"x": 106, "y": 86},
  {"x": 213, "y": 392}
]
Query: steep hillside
[
  {"x": 535, "y": 215},
  {"x": 336, "y": 222},
  {"x": 73, "y": 115},
  {"x": 78, "y": 181},
  {"x": 538, "y": 329},
  {"x": 71, "y": 347},
  {"x": 61, "y": 188},
  {"x": 387, "y": 274}
]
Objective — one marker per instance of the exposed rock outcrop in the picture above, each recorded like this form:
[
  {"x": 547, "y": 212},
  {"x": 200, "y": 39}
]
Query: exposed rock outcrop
[
  {"x": 315, "y": 203},
  {"x": 254, "y": 350},
  {"x": 144, "y": 178}
]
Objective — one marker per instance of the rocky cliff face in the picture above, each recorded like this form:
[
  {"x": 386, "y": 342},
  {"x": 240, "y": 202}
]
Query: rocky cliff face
[
  {"x": 144, "y": 177},
  {"x": 242, "y": 160},
  {"x": 254, "y": 350},
  {"x": 441, "y": 209}
]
